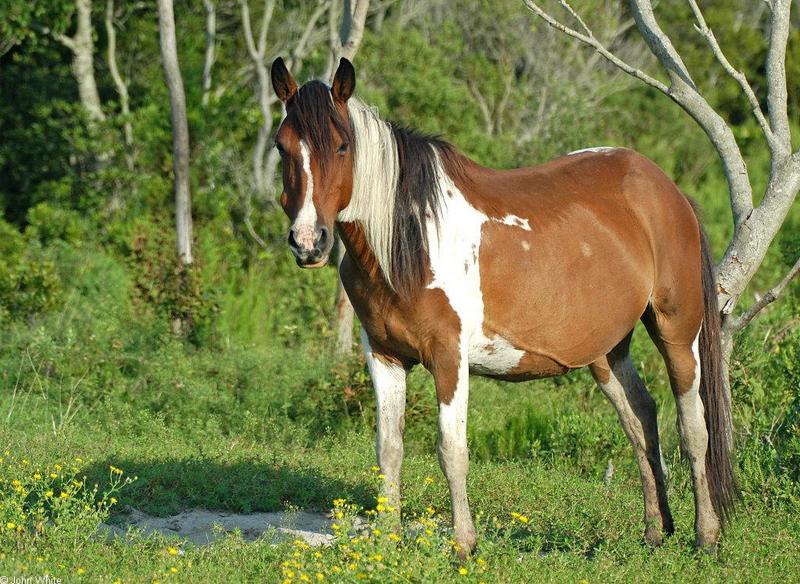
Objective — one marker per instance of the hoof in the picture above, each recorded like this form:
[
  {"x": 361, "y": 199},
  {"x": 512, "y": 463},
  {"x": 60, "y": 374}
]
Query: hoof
[
  {"x": 465, "y": 545},
  {"x": 653, "y": 536},
  {"x": 708, "y": 548}
]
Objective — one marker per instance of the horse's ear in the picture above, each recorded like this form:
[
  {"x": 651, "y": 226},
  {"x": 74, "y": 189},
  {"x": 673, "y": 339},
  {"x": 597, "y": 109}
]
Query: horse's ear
[
  {"x": 282, "y": 81},
  {"x": 344, "y": 82}
]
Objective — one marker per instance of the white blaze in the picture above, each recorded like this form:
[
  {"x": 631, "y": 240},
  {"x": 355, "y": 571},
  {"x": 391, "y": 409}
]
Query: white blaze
[{"x": 305, "y": 224}]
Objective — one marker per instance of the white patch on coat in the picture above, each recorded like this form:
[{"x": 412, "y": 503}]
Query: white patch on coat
[
  {"x": 526, "y": 246},
  {"x": 305, "y": 224},
  {"x": 593, "y": 149},
  {"x": 586, "y": 249},
  {"x": 515, "y": 221},
  {"x": 455, "y": 264}
]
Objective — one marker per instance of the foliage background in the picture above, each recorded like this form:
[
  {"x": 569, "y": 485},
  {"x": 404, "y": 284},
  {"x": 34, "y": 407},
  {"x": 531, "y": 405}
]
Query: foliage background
[{"x": 251, "y": 411}]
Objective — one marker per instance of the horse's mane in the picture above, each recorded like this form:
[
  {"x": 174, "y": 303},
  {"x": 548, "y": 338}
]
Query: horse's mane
[{"x": 396, "y": 177}]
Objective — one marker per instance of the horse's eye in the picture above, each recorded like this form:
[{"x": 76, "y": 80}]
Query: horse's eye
[
  {"x": 343, "y": 148},
  {"x": 279, "y": 147}
]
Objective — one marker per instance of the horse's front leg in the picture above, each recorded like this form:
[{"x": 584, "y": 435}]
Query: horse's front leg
[
  {"x": 389, "y": 380},
  {"x": 451, "y": 374}
]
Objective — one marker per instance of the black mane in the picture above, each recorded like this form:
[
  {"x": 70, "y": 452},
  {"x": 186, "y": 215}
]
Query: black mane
[{"x": 417, "y": 201}]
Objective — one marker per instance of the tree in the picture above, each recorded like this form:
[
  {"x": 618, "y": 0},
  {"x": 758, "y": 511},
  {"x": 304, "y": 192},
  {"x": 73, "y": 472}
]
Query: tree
[
  {"x": 354, "y": 17},
  {"x": 264, "y": 164},
  {"x": 82, "y": 46},
  {"x": 211, "y": 45},
  {"x": 119, "y": 83},
  {"x": 180, "y": 130},
  {"x": 755, "y": 226}
]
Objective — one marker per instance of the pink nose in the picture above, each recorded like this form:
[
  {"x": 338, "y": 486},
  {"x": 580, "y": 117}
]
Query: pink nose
[
  {"x": 306, "y": 237},
  {"x": 309, "y": 244}
]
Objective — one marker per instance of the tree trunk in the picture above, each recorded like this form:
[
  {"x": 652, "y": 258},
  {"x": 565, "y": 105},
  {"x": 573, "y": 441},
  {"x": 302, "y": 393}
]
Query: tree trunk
[
  {"x": 180, "y": 130},
  {"x": 82, "y": 47},
  {"x": 119, "y": 83},
  {"x": 211, "y": 40}
]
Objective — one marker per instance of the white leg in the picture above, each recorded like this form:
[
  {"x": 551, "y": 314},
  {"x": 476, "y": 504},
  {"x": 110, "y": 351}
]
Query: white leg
[
  {"x": 389, "y": 381},
  {"x": 694, "y": 440},
  {"x": 453, "y": 451}
]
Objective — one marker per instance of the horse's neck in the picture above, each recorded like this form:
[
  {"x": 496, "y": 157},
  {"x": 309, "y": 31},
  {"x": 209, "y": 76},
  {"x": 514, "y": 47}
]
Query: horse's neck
[{"x": 358, "y": 249}]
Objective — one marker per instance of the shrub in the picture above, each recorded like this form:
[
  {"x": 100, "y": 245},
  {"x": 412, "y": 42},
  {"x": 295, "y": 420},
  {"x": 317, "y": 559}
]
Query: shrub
[{"x": 28, "y": 280}]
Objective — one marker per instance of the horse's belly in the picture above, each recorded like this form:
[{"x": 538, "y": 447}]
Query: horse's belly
[{"x": 497, "y": 357}]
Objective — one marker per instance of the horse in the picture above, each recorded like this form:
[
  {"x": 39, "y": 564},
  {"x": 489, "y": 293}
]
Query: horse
[{"x": 512, "y": 274}]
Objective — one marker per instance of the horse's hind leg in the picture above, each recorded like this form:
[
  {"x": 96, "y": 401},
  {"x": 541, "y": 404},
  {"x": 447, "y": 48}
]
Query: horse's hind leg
[
  {"x": 619, "y": 381},
  {"x": 679, "y": 347}
]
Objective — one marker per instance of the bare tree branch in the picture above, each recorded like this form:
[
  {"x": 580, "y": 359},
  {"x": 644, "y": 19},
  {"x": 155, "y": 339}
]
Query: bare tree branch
[
  {"x": 592, "y": 41},
  {"x": 483, "y": 105},
  {"x": 211, "y": 42},
  {"x": 779, "y": 25},
  {"x": 683, "y": 91},
  {"x": 767, "y": 299},
  {"x": 300, "y": 49},
  {"x": 740, "y": 78},
  {"x": 119, "y": 83},
  {"x": 353, "y": 28}
]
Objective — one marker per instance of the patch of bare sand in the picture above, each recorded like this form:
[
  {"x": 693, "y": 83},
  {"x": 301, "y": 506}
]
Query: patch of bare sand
[{"x": 201, "y": 526}]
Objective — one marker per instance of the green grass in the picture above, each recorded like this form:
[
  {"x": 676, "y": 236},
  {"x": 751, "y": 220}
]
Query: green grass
[
  {"x": 578, "y": 527},
  {"x": 272, "y": 422}
]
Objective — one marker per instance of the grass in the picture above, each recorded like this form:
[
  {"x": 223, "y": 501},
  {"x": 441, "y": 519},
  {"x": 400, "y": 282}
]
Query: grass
[
  {"x": 576, "y": 527},
  {"x": 270, "y": 422}
]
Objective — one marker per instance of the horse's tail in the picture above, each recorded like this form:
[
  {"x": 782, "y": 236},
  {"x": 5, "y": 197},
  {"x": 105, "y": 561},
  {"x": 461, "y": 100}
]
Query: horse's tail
[{"x": 722, "y": 483}]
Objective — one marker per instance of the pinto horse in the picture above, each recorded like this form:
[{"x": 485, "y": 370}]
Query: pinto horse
[{"x": 511, "y": 274}]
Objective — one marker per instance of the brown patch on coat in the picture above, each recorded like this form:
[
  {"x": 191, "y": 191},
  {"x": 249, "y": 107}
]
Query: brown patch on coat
[
  {"x": 561, "y": 308},
  {"x": 424, "y": 329}
]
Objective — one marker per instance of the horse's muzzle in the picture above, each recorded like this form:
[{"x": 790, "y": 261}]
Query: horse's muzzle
[{"x": 311, "y": 246}]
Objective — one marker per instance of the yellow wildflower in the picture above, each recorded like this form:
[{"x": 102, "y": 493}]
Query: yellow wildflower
[
  {"x": 428, "y": 480},
  {"x": 80, "y": 571},
  {"x": 11, "y": 525},
  {"x": 320, "y": 576},
  {"x": 394, "y": 537},
  {"x": 463, "y": 571},
  {"x": 48, "y": 494},
  {"x": 382, "y": 500},
  {"x": 172, "y": 551}
]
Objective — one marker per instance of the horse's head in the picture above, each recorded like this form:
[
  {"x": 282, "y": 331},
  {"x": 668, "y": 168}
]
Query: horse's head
[{"x": 314, "y": 141}]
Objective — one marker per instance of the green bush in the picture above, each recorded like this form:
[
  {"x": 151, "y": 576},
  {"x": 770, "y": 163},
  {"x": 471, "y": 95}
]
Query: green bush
[
  {"x": 48, "y": 224},
  {"x": 29, "y": 283}
]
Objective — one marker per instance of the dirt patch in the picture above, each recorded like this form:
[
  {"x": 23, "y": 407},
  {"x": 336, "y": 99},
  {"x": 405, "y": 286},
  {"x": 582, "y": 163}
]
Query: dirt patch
[{"x": 201, "y": 526}]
